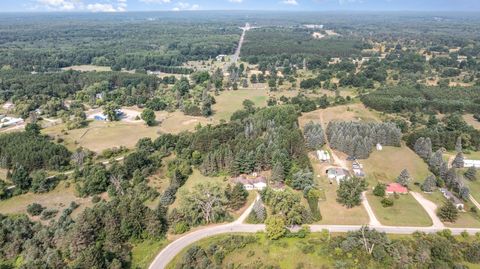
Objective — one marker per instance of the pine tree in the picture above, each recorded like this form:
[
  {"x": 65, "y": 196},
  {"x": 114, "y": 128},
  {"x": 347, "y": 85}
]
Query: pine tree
[
  {"x": 236, "y": 196},
  {"x": 429, "y": 184},
  {"x": 458, "y": 162},
  {"x": 436, "y": 161},
  {"x": 451, "y": 177},
  {"x": 448, "y": 212},
  {"x": 442, "y": 173},
  {"x": 314, "y": 136},
  {"x": 464, "y": 193},
  {"x": 404, "y": 178},
  {"x": 278, "y": 173},
  {"x": 458, "y": 145},
  {"x": 423, "y": 147},
  {"x": 471, "y": 174}
]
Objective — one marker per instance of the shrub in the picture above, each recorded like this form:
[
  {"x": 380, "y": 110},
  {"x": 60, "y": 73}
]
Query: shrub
[
  {"x": 180, "y": 227},
  {"x": 387, "y": 202},
  {"x": 35, "y": 209},
  {"x": 49, "y": 214},
  {"x": 96, "y": 199},
  {"x": 379, "y": 190}
]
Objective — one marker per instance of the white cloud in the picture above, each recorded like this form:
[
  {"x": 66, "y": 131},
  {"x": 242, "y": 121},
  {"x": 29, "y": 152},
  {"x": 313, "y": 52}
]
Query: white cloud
[
  {"x": 235, "y": 1},
  {"x": 290, "y": 2},
  {"x": 185, "y": 6},
  {"x": 97, "y": 7},
  {"x": 156, "y": 1},
  {"x": 60, "y": 5},
  {"x": 79, "y": 5}
]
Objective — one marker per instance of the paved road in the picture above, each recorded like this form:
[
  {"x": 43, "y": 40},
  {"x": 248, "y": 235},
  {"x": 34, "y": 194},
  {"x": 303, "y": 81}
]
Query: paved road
[{"x": 174, "y": 248}]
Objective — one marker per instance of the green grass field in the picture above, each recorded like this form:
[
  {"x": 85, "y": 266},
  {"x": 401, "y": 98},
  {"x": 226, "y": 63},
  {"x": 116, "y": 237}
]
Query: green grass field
[
  {"x": 283, "y": 253},
  {"x": 144, "y": 252},
  {"x": 59, "y": 198},
  {"x": 195, "y": 179},
  {"x": 385, "y": 166},
  {"x": 406, "y": 211}
]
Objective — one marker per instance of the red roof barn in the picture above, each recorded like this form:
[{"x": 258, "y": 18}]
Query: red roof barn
[{"x": 396, "y": 188}]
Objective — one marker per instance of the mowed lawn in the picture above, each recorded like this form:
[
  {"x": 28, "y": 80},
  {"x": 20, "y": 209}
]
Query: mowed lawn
[
  {"x": 406, "y": 211},
  {"x": 283, "y": 253},
  {"x": 333, "y": 212},
  {"x": 386, "y": 165},
  {"x": 465, "y": 219}
]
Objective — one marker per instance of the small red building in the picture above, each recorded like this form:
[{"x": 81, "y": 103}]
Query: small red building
[{"x": 396, "y": 188}]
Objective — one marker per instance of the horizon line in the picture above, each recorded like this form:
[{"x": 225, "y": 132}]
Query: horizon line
[{"x": 244, "y": 10}]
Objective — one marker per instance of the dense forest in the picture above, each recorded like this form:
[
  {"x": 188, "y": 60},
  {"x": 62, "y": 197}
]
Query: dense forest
[
  {"x": 427, "y": 99},
  {"x": 113, "y": 41}
]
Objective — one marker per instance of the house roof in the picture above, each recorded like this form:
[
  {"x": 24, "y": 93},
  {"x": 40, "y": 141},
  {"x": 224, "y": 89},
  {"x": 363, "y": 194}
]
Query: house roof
[
  {"x": 244, "y": 179},
  {"x": 449, "y": 195},
  {"x": 395, "y": 187},
  {"x": 336, "y": 172}
]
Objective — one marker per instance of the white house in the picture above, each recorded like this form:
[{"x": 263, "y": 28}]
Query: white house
[
  {"x": 471, "y": 163},
  {"x": 450, "y": 196},
  {"x": 253, "y": 182},
  {"x": 338, "y": 174},
  {"x": 323, "y": 155}
]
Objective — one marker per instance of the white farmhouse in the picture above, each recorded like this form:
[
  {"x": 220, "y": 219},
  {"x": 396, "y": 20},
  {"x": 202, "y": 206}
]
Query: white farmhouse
[{"x": 253, "y": 182}]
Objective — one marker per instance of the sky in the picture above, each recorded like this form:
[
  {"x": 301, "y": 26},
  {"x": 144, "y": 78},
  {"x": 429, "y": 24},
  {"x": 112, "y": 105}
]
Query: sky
[{"x": 178, "y": 5}]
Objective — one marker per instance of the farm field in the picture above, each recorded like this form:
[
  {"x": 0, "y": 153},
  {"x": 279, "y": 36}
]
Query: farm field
[
  {"x": 351, "y": 112},
  {"x": 282, "y": 253},
  {"x": 230, "y": 101},
  {"x": 406, "y": 211}
]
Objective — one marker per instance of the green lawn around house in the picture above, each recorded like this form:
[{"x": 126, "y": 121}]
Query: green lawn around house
[{"x": 406, "y": 211}]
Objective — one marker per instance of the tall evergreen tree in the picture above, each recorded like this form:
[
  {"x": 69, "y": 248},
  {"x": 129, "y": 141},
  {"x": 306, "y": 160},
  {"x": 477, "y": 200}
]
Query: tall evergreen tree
[
  {"x": 458, "y": 162},
  {"x": 471, "y": 174},
  {"x": 429, "y": 184},
  {"x": 458, "y": 145},
  {"x": 403, "y": 178}
]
